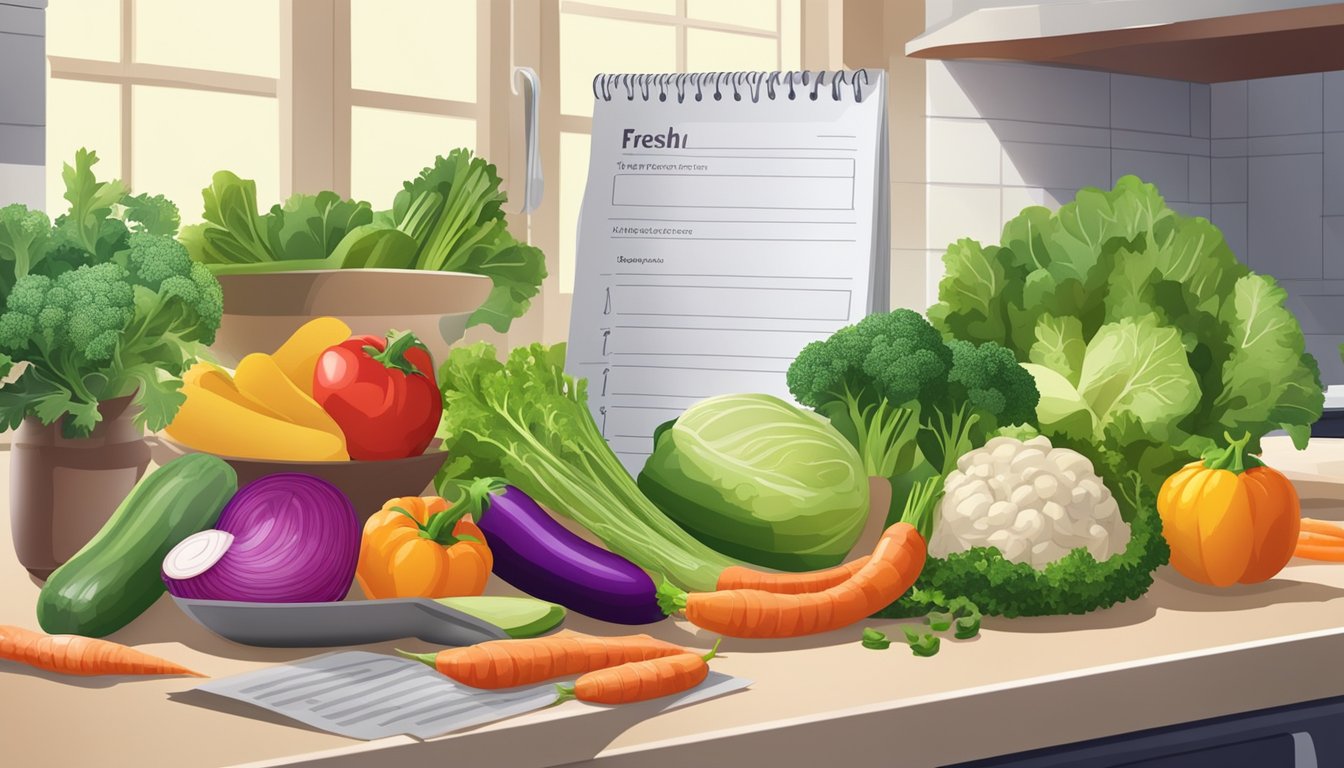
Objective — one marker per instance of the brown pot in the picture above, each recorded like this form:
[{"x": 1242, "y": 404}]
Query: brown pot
[{"x": 62, "y": 491}]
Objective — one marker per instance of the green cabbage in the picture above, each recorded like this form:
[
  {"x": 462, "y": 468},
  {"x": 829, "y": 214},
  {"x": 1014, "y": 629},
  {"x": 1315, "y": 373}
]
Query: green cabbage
[
  {"x": 760, "y": 480},
  {"x": 1147, "y": 338}
]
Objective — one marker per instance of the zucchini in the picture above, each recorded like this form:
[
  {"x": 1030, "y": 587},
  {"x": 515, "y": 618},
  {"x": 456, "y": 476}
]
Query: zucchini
[
  {"x": 519, "y": 617},
  {"x": 115, "y": 577}
]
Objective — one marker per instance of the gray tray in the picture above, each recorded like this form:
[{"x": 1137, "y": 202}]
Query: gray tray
[{"x": 354, "y": 622}]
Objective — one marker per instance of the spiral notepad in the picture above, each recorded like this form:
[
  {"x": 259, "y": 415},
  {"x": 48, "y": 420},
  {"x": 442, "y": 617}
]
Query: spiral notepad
[{"x": 729, "y": 219}]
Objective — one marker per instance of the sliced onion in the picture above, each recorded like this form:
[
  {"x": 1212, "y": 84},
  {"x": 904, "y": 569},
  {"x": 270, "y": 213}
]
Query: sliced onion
[
  {"x": 293, "y": 538},
  {"x": 196, "y": 554}
]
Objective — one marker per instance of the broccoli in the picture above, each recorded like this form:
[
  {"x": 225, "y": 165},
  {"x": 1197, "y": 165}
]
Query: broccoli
[
  {"x": 107, "y": 330},
  {"x": 910, "y": 402},
  {"x": 23, "y": 242}
]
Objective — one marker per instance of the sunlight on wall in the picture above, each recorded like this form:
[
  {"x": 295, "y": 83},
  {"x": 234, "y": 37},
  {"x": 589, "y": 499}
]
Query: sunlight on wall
[
  {"x": 240, "y": 36},
  {"x": 96, "y": 127},
  {"x": 415, "y": 47}
]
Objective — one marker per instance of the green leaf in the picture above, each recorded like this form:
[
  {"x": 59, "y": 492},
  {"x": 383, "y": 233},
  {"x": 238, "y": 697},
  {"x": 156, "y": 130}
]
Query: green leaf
[
  {"x": 239, "y": 232},
  {"x": 311, "y": 226},
  {"x": 1138, "y": 367},
  {"x": 1268, "y": 380},
  {"x": 1060, "y": 346},
  {"x": 516, "y": 270},
  {"x": 154, "y": 215},
  {"x": 874, "y": 640},
  {"x": 157, "y": 396},
  {"x": 373, "y": 246},
  {"x": 90, "y": 200},
  {"x": 971, "y": 294},
  {"x": 1061, "y": 409}
]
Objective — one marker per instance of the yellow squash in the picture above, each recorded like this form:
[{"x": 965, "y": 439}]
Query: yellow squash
[
  {"x": 297, "y": 357},
  {"x": 213, "y": 423},
  {"x": 260, "y": 380},
  {"x": 1229, "y": 518}
]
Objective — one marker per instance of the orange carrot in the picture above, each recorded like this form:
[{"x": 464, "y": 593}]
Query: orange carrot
[
  {"x": 895, "y": 564},
  {"x": 640, "y": 680},
  {"x": 740, "y": 577},
  {"x": 1328, "y": 552},
  {"x": 508, "y": 663},
  {"x": 77, "y": 655},
  {"x": 1322, "y": 527}
]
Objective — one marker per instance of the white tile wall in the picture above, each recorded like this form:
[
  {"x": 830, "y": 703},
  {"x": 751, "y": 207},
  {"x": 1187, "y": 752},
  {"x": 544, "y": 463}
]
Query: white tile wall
[
  {"x": 1332, "y": 236},
  {"x": 1169, "y": 171},
  {"x": 960, "y": 211},
  {"x": 1200, "y": 113},
  {"x": 1333, "y": 163},
  {"x": 962, "y": 152},
  {"x": 1334, "y": 101},
  {"x": 1049, "y": 165},
  {"x": 1228, "y": 110},
  {"x": 1227, "y": 179},
  {"x": 1146, "y": 104}
]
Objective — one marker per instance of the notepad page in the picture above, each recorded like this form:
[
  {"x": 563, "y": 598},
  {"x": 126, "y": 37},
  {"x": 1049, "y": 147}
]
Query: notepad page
[{"x": 716, "y": 239}]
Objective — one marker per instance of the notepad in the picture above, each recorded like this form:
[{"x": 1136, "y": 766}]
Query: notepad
[{"x": 729, "y": 219}]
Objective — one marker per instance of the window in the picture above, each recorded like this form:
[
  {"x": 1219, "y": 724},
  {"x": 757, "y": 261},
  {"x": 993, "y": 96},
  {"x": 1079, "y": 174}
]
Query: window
[
  {"x": 359, "y": 95},
  {"x": 652, "y": 36},
  {"x": 165, "y": 92}
]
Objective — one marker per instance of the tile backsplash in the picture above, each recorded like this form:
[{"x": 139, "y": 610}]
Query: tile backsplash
[{"x": 1262, "y": 159}]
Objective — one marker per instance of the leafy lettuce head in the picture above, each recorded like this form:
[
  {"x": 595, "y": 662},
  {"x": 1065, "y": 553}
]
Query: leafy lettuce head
[{"x": 1147, "y": 338}]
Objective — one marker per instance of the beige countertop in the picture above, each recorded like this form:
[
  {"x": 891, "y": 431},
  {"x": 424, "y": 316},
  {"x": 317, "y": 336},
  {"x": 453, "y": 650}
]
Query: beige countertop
[{"x": 1180, "y": 653}]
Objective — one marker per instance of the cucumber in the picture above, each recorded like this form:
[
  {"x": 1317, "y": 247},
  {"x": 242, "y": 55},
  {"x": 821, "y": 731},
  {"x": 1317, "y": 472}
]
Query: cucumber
[
  {"x": 518, "y": 616},
  {"x": 115, "y": 577}
]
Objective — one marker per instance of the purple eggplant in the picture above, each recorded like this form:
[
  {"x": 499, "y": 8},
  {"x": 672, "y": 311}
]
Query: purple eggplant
[{"x": 541, "y": 557}]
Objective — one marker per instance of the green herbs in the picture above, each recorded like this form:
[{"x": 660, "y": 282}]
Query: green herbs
[
  {"x": 528, "y": 422},
  {"x": 1147, "y": 338},
  {"x": 449, "y": 218},
  {"x": 100, "y": 306},
  {"x": 921, "y": 643},
  {"x": 874, "y": 640}
]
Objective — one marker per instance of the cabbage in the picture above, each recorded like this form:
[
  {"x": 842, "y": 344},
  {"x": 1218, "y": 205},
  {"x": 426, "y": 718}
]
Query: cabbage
[{"x": 760, "y": 480}]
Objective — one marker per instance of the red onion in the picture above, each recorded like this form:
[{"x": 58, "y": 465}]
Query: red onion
[{"x": 286, "y": 538}]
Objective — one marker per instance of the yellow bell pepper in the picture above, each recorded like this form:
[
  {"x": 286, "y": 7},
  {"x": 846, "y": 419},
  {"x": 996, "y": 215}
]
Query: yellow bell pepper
[{"x": 408, "y": 551}]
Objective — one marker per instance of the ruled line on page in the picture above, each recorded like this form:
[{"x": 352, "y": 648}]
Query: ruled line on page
[
  {"x": 718, "y": 275},
  {"x": 726, "y": 221},
  {"x": 743, "y": 239}
]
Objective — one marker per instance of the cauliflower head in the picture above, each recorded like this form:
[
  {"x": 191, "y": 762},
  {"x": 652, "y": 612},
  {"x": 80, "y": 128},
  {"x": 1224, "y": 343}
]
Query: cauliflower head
[{"x": 1031, "y": 501}]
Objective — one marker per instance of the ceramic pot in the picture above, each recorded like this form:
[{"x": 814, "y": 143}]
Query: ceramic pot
[{"x": 62, "y": 491}]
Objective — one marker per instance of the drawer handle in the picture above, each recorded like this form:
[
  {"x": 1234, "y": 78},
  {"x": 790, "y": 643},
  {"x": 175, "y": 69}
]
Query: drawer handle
[{"x": 1304, "y": 751}]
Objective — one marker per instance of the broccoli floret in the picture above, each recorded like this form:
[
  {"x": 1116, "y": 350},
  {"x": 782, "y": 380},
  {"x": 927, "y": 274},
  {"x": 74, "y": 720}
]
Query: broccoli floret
[
  {"x": 189, "y": 302},
  {"x": 869, "y": 378},
  {"x": 23, "y": 242},
  {"x": 67, "y": 324}
]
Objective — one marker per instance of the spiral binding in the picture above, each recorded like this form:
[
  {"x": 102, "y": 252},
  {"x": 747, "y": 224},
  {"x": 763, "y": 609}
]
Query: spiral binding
[{"x": 699, "y": 86}]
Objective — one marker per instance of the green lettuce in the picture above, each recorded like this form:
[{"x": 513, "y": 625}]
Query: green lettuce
[{"x": 1147, "y": 338}]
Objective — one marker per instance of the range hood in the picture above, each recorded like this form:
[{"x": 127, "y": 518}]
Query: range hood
[{"x": 1203, "y": 41}]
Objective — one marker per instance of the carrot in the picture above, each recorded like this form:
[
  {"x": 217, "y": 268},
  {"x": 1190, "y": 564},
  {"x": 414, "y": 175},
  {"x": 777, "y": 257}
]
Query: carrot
[
  {"x": 1329, "y": 552},
  {"x": 1323, "y": 528},
  {"x": 78, "y": 655},
  {"x": 895, "y": 564},
  {"x": 640, "y": 680},
  {"x": 508, "y": 663},
  {"x": 740, "y": 577}
]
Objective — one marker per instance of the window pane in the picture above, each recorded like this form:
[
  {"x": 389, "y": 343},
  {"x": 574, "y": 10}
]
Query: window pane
[
  {"x": 388, "y": 148},
  {"x": 417, "y": 47},
  {"x": 84, "y": 29},
  {"x": 591, "y": 45},
  {"x": 176, "y": 157},
  {"x": 744, "y": 13},
  {"x": 708, "y": 51},
  {"x": 790, "y": 34},
  {"x": 81, "y": 114},
  {"x": 647, "y": 6},
  {"x": 223, "y": 35},
  {"x": 573, "y": 178}
]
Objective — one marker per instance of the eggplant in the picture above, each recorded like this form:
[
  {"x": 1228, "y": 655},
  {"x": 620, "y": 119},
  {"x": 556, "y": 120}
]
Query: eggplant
[{"x": 541, "y": 557}]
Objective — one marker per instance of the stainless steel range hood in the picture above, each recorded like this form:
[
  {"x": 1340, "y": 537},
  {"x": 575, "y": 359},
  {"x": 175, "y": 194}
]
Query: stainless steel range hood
[{"x": 1201, "y": 41}]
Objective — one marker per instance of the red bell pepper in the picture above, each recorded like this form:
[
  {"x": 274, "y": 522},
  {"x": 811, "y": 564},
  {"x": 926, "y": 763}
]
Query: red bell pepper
[{"x": 381, "y": 393}]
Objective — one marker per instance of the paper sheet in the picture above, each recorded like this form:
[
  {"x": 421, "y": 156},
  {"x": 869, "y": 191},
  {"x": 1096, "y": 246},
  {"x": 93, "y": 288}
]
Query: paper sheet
[
  {"x": 371, "y": 696},
  {"x": 717, "y": 238}
]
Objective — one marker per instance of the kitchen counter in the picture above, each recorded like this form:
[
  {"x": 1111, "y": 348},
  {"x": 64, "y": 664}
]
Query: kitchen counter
[{"x": 1180, "y": 653}]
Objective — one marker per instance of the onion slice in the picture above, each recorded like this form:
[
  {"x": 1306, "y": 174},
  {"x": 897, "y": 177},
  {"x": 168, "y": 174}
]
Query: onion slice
[{"x": 196, "y": 554}]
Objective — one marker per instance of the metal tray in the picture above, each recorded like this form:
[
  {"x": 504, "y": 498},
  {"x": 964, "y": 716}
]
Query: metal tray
[{"x": 353, "y": 622}]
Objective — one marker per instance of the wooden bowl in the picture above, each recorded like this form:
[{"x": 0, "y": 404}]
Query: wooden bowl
[
  {"x": 262, "y": 311},
  {"x": 368, "y": 484}
]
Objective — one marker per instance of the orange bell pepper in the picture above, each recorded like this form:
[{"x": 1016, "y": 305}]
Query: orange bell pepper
[{"x": 417, "y": 547}]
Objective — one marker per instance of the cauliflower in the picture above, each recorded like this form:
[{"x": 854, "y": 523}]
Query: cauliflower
[{"x": 1032, "y": 502}]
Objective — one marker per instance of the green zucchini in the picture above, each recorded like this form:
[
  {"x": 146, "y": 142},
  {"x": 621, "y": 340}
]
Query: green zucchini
[
  {"x": 116, "y": 576},
  {"x": 519, "y": 617}
]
